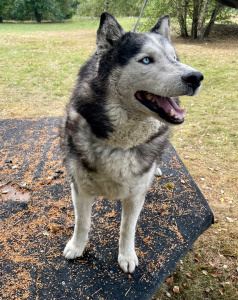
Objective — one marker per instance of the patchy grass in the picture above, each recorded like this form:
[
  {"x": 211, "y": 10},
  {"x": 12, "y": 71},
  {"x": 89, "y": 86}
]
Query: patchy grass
[
  {"x": 207, "y": 144},
  {"x": 39, "y": 65}
]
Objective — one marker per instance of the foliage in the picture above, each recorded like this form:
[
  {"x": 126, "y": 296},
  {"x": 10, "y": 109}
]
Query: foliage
[
  {"x": 94, "y": 8},
  {"x": 194, "y": 16},
  {"x": 4, "y": 9},
  {"x": 54, "y": 10}
]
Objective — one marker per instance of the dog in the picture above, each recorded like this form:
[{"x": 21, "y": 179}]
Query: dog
[{"x": 117, "y": 124}]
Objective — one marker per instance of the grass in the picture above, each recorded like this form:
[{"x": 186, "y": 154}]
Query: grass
[{"x": 39, "y": 65}]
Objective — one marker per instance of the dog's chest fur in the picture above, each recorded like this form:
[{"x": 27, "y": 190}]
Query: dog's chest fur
[{"x": 117, "y": 166}]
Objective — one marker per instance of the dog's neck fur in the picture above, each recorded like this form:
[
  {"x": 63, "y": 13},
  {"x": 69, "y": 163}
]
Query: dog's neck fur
[
  {"x": 129, "y": 129},
  {"x": 133, "y": 133}
]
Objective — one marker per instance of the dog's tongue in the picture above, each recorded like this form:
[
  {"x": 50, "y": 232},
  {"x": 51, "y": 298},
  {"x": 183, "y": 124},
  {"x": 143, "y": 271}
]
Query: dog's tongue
[{"x": 170, "y": 107}]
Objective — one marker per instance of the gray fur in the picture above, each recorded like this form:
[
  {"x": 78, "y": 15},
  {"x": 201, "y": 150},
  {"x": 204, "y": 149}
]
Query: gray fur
[{"x": 111, "y": 142}]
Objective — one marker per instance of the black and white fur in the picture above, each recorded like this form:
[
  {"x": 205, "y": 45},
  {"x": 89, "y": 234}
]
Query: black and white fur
[{"x": 111, "y": 141}]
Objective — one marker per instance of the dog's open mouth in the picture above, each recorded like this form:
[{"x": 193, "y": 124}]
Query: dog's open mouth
[{"x": 165, "y": 107}]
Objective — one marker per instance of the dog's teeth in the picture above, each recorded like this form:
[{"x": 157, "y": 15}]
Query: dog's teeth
[
  {"x": 171, "y": 113},
  {"x": 149, "y": 97}
]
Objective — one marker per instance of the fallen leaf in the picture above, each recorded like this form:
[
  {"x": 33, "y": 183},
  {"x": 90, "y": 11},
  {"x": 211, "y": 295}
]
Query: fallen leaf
[
  {"x": 197, "y": 257},
  {"x": 230, "y": 220},
  {"x": 213, "y": 274},
  {"x": 169, "y": 185},
  {"x": 54, "y": 228},
  {"x": 213, "y": 266},
  {"x": 225, "y": 266},
  {"x": 221, "y": 292},
  {"x": 111, "y": 214},
  {"x": 176, "y": 289},
  {"x": 207, "y": 289},
  {"x": 170, "y": 279},
  {"x": 189, "y": 275},
  {"x": 5, "y": 190},
  {"x": 168, "y": 294},
  {"x": 186, "y": 285},
  {"x": 204, "y": 272},
  {"x": 147, "y": 239}
]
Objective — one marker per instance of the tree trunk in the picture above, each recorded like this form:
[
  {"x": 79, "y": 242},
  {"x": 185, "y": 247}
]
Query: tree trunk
[
  {"x": 209, "y": 26},
  {"x": 38, "y": 16},
  {"x": 1, "y": 20},
  {"x": 185, "y": 16},
  {"x": 182, "y": 17},
  {"x": 195, "y": 19},
  {"x": 107, "y": 5},
  {"x": 202, "y": 16}
]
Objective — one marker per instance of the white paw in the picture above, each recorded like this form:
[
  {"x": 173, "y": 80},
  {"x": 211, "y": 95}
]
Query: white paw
[
  {"x": 128, "y": 262},
  {"x": 158, "y": 172},
  {"x": 72, "y": 250}
]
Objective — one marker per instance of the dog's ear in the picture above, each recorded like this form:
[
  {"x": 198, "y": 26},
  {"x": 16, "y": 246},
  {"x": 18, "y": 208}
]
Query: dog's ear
[
  {"x": 108, "y": 34},
  {"x": 162, "y": 27}
]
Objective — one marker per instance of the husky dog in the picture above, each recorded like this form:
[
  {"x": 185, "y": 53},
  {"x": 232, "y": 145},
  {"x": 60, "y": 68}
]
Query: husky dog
[{"x": 117, "y": 123}]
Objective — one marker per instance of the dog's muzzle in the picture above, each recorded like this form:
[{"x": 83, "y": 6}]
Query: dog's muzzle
[{"x": 193, "y": 80}]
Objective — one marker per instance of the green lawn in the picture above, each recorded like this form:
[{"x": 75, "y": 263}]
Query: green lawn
[{"x": 38, "y": 70}]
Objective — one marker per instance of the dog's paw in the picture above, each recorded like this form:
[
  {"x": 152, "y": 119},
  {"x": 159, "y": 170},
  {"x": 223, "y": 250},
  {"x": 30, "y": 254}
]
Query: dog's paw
[
  {"x": 158, "y": 172},
  {"x": 72, "y": 250},
  {"x": 129, "y": 262}
]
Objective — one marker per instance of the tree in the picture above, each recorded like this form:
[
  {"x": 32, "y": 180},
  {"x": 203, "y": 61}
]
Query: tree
[
  {"x": 182, "y": 17},
  {"x": 55, "y": 10},
  {"x": 205, "y": 33},
  {"x": 4, "y": 9},
  {"x": 200, "y": 13},
  {"x": 94, "y": 8}
]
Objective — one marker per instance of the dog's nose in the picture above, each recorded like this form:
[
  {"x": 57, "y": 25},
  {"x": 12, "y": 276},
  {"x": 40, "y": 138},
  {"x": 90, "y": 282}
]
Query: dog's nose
[{"x": 193, "y": 79}]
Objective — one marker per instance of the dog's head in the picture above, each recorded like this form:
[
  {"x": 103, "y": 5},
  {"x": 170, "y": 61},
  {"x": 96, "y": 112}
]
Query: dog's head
[{"x": 144, "y": 70}]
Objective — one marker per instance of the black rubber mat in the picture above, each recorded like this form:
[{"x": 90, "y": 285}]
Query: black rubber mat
[{"x": 37, "y": 220}]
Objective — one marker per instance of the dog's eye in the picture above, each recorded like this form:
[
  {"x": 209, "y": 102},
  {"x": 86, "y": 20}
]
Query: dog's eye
[{"x": 146, "y": 60}]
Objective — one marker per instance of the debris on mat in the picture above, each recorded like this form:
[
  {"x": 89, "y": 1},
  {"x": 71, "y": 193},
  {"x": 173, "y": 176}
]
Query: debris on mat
[{"x": 36, "y": 220}]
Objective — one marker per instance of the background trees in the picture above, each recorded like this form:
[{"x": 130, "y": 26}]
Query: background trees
[
  {"x": 94, "y": 8},
  {"x": 194, "y": 17},
  {"x": 21, "y": 10},
  {"x": 4, "y": 7}
]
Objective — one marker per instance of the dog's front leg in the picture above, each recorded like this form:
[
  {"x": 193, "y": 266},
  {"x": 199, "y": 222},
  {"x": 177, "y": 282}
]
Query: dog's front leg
[
  {"x": 127, "y": 257},
  {"x": 82, "y": 206}
]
